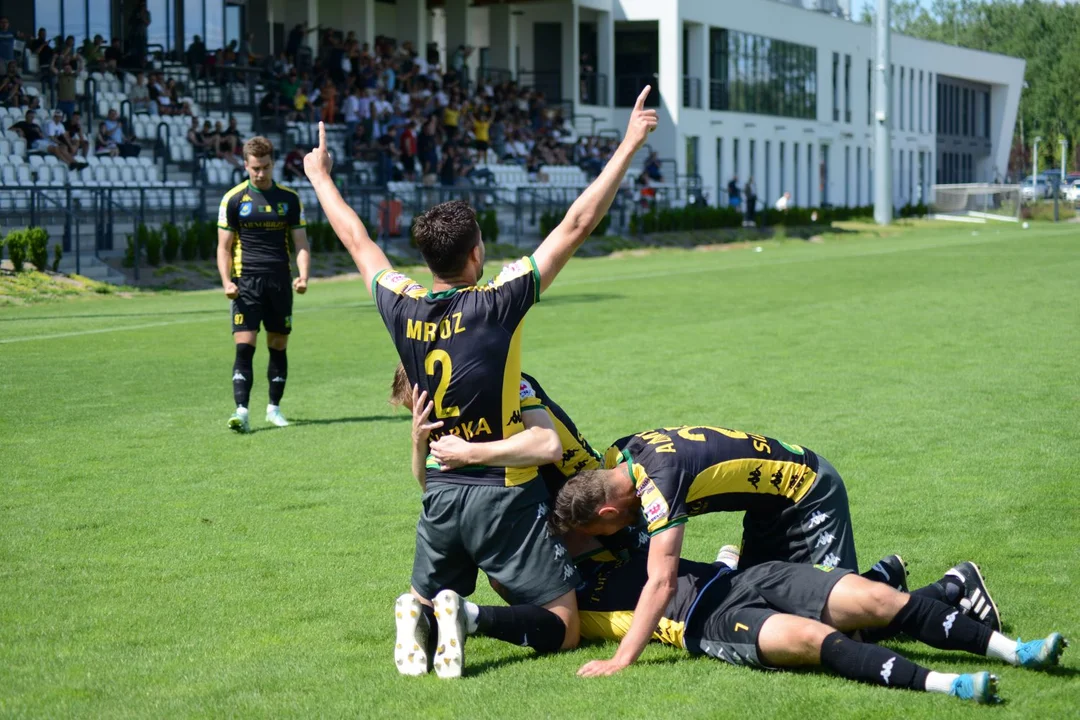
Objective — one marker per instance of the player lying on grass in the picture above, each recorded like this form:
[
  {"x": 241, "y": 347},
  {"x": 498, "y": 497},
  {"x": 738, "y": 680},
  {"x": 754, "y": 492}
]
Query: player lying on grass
[
  {"x": 795, "y": 506},
  {"x": 781, "y": 615},
  {"x": 461, "y": 344}
]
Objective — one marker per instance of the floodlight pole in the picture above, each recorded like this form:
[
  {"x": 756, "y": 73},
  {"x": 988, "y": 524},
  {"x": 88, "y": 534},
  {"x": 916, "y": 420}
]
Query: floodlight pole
[
  {"x": 1064, "y": 144},
  {"x": 883, "y": 210},
  {"x": 1035, "y": 169}
]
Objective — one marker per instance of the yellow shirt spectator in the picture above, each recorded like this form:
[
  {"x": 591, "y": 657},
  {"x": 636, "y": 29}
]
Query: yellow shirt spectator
[
  {"x": 480, "y": 130},
  {"x": 450, "y": 116}
]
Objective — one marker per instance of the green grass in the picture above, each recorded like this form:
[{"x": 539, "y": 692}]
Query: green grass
[{"x": 154, "y": 565}]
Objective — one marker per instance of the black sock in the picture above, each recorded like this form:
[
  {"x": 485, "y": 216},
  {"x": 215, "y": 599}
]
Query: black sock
[
  {"x": 433, "y": 630},
  {"x": 941, "y": 626},
  {"x": 277, "y": 372},
  {"x": 242, "y": 378},
  {"x": 870, "y": 663},
  {"x": 524, "y": 625}
]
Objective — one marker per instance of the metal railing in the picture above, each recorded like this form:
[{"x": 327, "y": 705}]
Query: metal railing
[
  {"x": 718, "y": 95},
  {"x": 594, "y": 89},
  {"x": 497, "y": 76},
  {"x": 691, "y": 92},
  {"x": 628, "y": 87}
]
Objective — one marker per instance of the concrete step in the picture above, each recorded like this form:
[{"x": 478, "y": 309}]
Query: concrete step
[{"x": 92, "y": 268}]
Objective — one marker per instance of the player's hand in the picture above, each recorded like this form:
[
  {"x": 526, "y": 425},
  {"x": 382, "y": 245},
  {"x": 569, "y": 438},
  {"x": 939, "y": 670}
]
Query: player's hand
[
  {"x": 451, "y": 452},
  {"x": 231, "y": 291},
  {"x": 422, "y": 407},
  {"x": 642, "y": 121},
  {"x": 601, "y": 668},
  {"x": 318, "y": 162},
  {"x": 300, "y": 285}
]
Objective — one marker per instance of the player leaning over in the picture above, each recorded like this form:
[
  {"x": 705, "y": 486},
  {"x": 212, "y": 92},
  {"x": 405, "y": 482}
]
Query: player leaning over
[
  {"x": 794, "y": 500},
  {"x": 454, "y": 341},
  {"x": 259, "y": 222}
]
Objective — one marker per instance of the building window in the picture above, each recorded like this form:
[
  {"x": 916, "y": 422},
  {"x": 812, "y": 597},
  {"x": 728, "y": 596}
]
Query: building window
[
  {"x": 205, "y": 18},
  {"x": 809, "y": 174},
  {"x": 986, "y": 114},
  {"x": 869, "y": 90},
  {"x": 81, "y": 18},
  {"x": 753, "y": 168},
  {"x": 920, "y": 101},
  {"x": 755, "y": 74},
  {"x": 782, "y": 177},
  {"x": 162, "y": 30},
  {"x": 721, "y": 181},
  {"x": 858, "y": 176},
  {"x": 892, "y": 89},
  {"x": 847, "y": 89},
  {"x": 901, "y": 98},
  {"x": 911, "y": 100},
  {"x": 735, "y": 157},
  {"x": 835, "y": 87},
  {"x": 691, "y": 155},
  {"x": 795, "y": 173},
  {"x": 847, "y": 176}
]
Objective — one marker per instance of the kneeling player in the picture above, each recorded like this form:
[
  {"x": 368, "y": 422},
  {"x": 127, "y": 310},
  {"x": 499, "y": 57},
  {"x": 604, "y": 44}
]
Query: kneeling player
[{"x": 780, "y": 615}]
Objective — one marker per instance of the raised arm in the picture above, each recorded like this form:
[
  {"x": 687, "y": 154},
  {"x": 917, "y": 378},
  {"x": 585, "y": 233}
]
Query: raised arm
[
  {"x": 593, "y": 204},
  {"x": 537, "y": 444},
  {"x": 663, "y": 574},
  {"x": 369, "y": 257}
]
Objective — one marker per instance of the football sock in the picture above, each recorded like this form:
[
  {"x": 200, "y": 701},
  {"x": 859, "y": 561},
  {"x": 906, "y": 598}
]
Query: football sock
[
  {"x": 940, "y": 682},
  {"x": 941, "y": 626},
  {"x": 1001, "y": 647},
  {"x": 433, "y": 630},
  {"x": 277, "y": 372},
  {"x": 870, "y": 663},
  {"x": 242, "y": 378},
  {"x": 524, "y": 625},
  {"x": 947, "y": 590}
]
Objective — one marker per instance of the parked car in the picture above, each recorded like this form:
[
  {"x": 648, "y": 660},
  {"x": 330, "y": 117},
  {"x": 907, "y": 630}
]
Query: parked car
[
  {"x": 1033, "y": 188},
  {"x": 1072, "y": 192}
]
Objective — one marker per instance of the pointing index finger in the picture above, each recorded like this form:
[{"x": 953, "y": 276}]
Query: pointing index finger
[
  {"x": 322, "y": 135},
  {"x": 640, "y": 104}
]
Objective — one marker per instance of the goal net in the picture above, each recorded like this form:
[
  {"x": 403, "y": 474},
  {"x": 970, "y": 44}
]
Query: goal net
[{"x": 980, "y": 201}]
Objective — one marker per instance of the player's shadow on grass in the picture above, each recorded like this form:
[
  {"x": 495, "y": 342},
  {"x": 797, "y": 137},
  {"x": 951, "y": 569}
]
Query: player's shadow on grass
[{"x": 300, "y": 422}]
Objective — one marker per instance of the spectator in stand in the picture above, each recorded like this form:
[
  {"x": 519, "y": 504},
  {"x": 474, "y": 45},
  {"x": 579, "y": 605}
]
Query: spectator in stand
[
  {"x": 288, "y": 86},
  {"x": 46, "y": 52},
  {"x": 138, "y": 24},
  {"x": 124, "y": 142},
  {"x": 197, "y": 135},
  {"x": 734, "y": 196},
  {"x": 57, "y": 132},
  {"x": 388, "y": 151},
  {"x": 104, "y": 144},
  {"x": 427, "y": 145},
  {"x": 750, "y": 192},
  {"x": 7, "y": 41},
  {"x": 329, "y": 97},
  {"x": 11, "y": 91},
  {"x": 77, "y": 134},
  {"x": 282, "y": 64},
  {"x": 294, "y": 165},
  {"x": 230, "y": 138},
  {"x": 114, "y": 57},
  {"x": 224, "y": 148},
  {"x": 93, "y": 53},
  {"x": 407, "y": 145},
  {"x": 65, "y": 90},
  {"x": 351, "y": 110},
  {"x": 784, "y": 203},
  {"x": 39, "y": 42},
  {"x": 357, "y": 145},
  {"x": 37, "y": 141},
  {"x": 451, "y": 119},
  {"x": 498, "y": 137},
  {"x": 196, "y": 57},
  {"x": 652, "y": 168},
  {"x": 139, "y": 95},
  {"x": 159, "y": 93},
  {"x": 448, "y": 170},
  {"x": 297, "y": 38},
  {"x": 481, "y": 125}
]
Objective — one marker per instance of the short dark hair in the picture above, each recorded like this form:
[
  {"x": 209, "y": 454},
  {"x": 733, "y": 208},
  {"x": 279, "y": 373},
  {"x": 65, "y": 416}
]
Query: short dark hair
[
  {"x": 579, "y": 501},
  {"x": 446, "y": 234}
]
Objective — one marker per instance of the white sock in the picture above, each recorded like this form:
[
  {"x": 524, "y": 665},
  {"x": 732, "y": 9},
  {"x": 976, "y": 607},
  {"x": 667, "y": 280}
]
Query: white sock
[
  {"x": 272, "y": 408},
  {"x": 939, "y": 682},
  {"x": 241, "y": 410},
  {"x": 1002, "y": 648},
  {"x": 472, "y": 613}
]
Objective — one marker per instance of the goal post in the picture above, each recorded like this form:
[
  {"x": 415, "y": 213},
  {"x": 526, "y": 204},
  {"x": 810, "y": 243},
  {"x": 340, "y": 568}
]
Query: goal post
[{"x": 977, "y": 200}]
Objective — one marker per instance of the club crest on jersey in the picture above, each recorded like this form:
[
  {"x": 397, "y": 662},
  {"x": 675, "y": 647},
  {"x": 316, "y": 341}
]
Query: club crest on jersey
[
  {"x": 245, "y": 209},
  {"x": 282, "y": 208},
  {"x": 655, "y": 510}
]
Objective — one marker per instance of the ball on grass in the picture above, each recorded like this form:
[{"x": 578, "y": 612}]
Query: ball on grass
[{"x": 1025, "y": 226}]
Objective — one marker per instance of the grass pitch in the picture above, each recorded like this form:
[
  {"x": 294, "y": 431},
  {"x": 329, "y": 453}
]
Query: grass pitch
[{"x": 155, "y": 565}]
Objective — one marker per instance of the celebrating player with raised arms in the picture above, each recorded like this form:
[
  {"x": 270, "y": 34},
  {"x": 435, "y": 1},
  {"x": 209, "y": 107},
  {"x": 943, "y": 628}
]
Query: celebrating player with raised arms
[{"x": 461, "y": 344}]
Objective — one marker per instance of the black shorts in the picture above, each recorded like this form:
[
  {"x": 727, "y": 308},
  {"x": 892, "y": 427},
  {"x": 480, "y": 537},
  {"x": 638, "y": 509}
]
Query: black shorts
[
  {"x": 265, "y": 300},
  {"x": 816, "y": 530},
  {"x": 729, "y": 613},
  {"x": 500, "y": 530},
  {"x": 481, "y": 145}
]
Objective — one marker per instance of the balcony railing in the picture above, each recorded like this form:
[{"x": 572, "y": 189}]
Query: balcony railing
[
  {"x": 718, "y": 95},
  {"x": 547, "y": 82},
  {"x": 691, "y": 92},
  {"x": 594, "y": 89},
  {"x": 628, "y": 87}
]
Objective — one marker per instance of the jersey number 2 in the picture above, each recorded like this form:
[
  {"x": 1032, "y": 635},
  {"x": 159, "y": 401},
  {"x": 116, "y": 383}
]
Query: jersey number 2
[{"x": 441, "y": 357}]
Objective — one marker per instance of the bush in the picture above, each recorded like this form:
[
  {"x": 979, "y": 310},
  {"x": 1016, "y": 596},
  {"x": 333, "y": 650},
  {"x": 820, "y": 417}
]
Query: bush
[
  {"x": 171, "y": 245},
  {"x": 37, "y": 240},
  {"x": 206, "y": 238},
  {"x": 189, "y": 244},
  {"x": 150, "y": 240},
  {"x": 129, "y": 253},
  {"x": 550, "y": 219},
  {"x": 58, "y": 253},
  {"x": 489, "y": 227},
  {"x": 16, "y": 244}
]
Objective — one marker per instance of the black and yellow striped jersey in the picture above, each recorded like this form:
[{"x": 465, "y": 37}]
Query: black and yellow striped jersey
[
  {"x": 463, "y": 346},
  {"x": 577, "y": 454},
  {"x": 262, "y": 221},
  {"x": 697, "y": 469},
  {"x": 610, "y": 590}
]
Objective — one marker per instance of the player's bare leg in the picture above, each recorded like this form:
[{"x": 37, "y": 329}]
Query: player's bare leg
[
  {"x": 792, "y": 641},
  {"x": 242, "y": 378},
  {"x": 277, "y": 372}
]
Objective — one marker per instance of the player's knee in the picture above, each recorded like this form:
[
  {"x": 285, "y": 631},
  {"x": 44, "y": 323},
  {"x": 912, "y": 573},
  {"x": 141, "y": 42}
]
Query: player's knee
[
  {"x": 881, "y": 603},
  {"x": 809, "y": 636}
]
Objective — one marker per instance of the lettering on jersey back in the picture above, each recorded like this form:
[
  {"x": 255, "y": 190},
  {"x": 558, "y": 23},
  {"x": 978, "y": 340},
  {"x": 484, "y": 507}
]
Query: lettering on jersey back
[{"x": 428, "y": 331}]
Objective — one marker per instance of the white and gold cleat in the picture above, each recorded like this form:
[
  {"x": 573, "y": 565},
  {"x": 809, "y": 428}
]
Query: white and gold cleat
[
  {"x": 450, "y": 618},
  {"x": 410, "y": 653}
]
